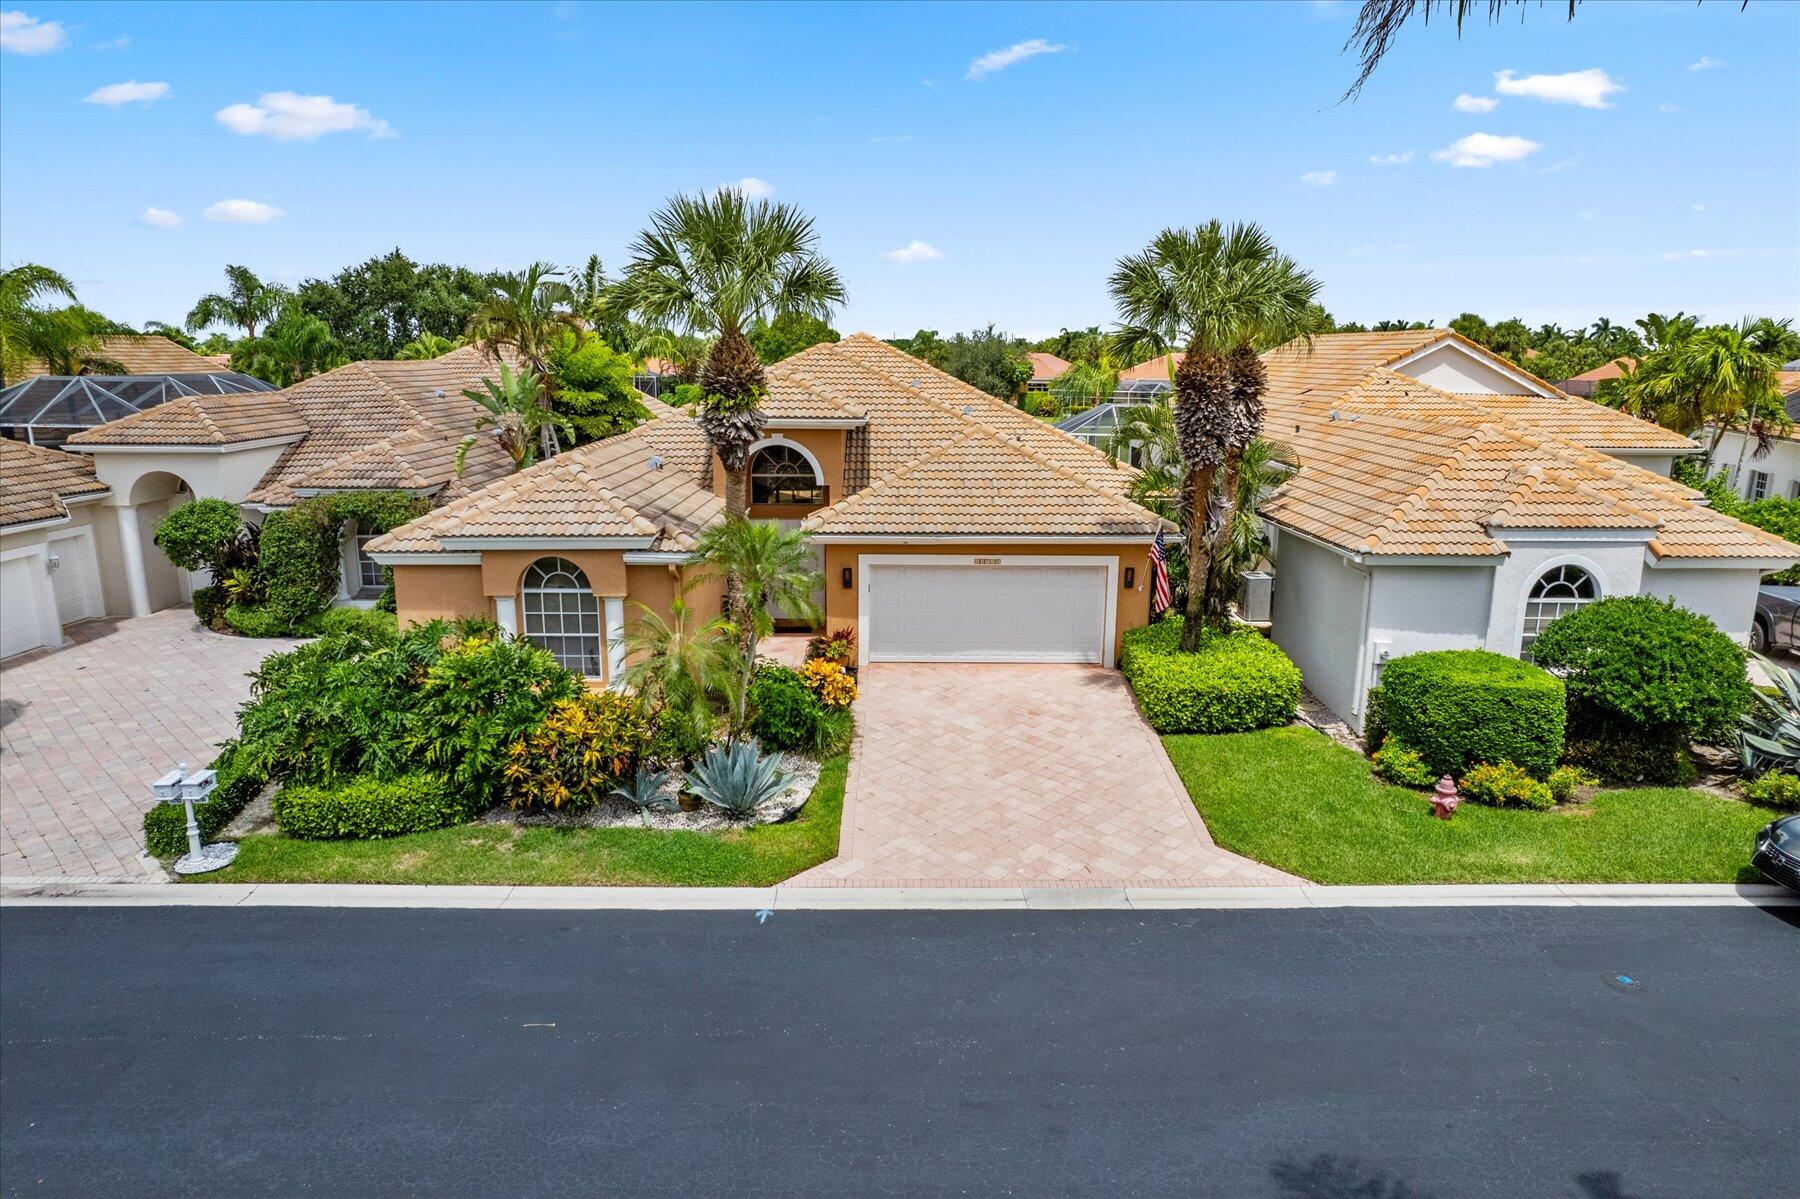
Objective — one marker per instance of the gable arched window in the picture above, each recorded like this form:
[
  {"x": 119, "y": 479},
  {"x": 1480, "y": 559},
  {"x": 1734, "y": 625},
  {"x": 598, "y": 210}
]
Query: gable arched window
[
  {"x": 1559, "y": 591},
  {"x": 781, "y": 474},
  {"x": 562, "y": 615}
]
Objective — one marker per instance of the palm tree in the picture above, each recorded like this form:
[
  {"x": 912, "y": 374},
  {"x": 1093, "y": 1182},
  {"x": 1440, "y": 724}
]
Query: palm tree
[
  {"x": 772, "y": 566},
  {"x": 425, "y": 346},
  {"x": 513, "y": 415},
  {"x": 21, "y": 288},
  {"x": 1089, "y": 380},
  {"x": 247, "y": 303},
  {"x": 678, "y": 665},
  {"x": 719, "y": 264},
  {"x": 69, "y": 341},
  {"x": 1224, "y": 292},
  {"x": 1723, "y": 375},
  {"x": 293, "y": 348},
  {"x": 529, "y": 314}
]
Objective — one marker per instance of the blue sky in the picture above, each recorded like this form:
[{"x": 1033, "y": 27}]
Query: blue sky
[{"x": 494, "y": 135}]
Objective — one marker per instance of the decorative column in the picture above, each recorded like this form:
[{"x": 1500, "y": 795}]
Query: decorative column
[
  {"x": 131, "y": 545},
  {"x": 614, "y": 632}
]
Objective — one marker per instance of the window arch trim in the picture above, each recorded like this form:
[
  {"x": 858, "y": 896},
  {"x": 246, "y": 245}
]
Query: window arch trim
[
  {"x": 560, "y": 613},
  {"x": 1538, "y": 608}
]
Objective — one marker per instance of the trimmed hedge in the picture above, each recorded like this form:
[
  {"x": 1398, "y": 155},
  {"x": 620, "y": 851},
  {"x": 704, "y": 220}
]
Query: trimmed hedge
[
  {"x": 788, "y": 714},
  {"x": 165, "y": 825},
  {"x": 1462, "y": 707},
  {"x": 368, "y": 807},
  {"x": 1234, "y": 683},
  {"x": 378, "y": 626}
]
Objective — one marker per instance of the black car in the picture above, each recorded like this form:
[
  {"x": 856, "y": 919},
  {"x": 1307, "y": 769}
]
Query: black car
[{"x": 1778, "y": 852}]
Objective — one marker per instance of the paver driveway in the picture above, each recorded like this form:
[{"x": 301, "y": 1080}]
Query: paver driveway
[
  {"x": 978, "y": 775},
  {"x": 84, "y": 729}
]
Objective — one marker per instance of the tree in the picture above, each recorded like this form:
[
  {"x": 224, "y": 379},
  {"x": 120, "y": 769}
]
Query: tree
[
  {"x": 1724, "y": 376},
  {"x": 247, "y": 303},
  {"x": 721, "y": 264},
  {"x": 178, "y": 335},
  {"x": 1089, "y": 380},
  {"x": 764, "y": 565},
  {"x": 1224, "y": 292},
  {"x": 376, "y": 307},
  {"x": 68, "y": 341},
  {"x": 22, "y": 287},
  {"x": 513, "y": 414},
  {"x": 425, "y": 346},
  {"x": 592, "y": 389},
  {"x": 528, "y": 313},
  {"x": 592, "y": 297},
  {"x": 678, "y": 665},
  {"x": 788, "y": 334},
  {"x": 986, "y": 359},
  {"x": 293, "y": 348}
]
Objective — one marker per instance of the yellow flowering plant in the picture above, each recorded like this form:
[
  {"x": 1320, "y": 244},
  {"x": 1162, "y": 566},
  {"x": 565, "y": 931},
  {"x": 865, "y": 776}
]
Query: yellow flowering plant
[{"x": 834, "y": 685}]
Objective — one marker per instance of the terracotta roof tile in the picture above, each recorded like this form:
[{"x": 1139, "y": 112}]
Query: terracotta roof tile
[
  {"x": 1046, "y": 366},
  {"x": 34, "y": 480},
  {"x": 143, "y": 354},
  {"x": 203, "y": 420}
]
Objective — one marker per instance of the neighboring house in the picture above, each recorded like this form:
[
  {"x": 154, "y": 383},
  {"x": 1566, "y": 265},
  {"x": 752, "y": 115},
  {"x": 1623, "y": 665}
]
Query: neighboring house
[
  {"x": 654, "y": 376},
  {"x": 367, "y": 425},
  {"x": 59, "y": 555},
  {"x": 1755, "y": 474},
  {"x": 143, "y": 354},
  {"x": 47, "y": 410},
  {"x": 1097, "y": 425},
  {"x": 1045, "y": 370},
  {"x": 951, "y": 526},
  {"x": 1447, "y": 499},
  {"x": 1587, "y": 382}
]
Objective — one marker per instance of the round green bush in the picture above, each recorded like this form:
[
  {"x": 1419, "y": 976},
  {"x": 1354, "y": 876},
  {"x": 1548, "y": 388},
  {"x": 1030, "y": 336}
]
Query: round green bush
[
  {"x": 1233, "y": 683},
  {"x": 1775, "y": 789},
  {"x": 372, "y": 623},
  {"x": 1461, "y": 707},
  {"x": 368, "y": 807},
  {"x": 1635, "y": 661},
  {"x": 1400, "y": 764},
  {"x": 788, "y": 714},
  {"x": 197, "y": 536}
]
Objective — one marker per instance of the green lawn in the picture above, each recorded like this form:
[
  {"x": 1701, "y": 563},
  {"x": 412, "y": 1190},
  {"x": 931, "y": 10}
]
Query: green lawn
[
  {"x": 507, "y": 854},
  {"x": 1295, "y": 799}
]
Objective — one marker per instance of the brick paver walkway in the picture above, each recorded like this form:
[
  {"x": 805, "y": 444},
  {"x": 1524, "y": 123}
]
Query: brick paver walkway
[
  {"x": 977, "y": 775},
  {"x": 84, "y": 729}
]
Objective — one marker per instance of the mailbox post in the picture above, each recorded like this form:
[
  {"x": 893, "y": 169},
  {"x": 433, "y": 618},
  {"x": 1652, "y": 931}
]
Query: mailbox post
[{"x": 189, "y": 788}]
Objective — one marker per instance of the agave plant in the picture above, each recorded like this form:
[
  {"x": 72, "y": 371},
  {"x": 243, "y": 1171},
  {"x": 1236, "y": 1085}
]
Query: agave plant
[
  {"x": 737, "y": 777},
  {"x": 648, "y": 791},
  {"x": 1769, "y": 734}
]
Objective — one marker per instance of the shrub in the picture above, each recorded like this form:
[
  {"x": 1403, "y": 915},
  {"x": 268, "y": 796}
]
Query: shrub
[
  {"x": 377, "y": 626},
  {"x": 300, "y": 547},
  {"x": 593, "y": 388},
  {"x": 1636, "y": 662},
  {"x": 838, "y": 646},
  {"x": 263, "y": 621},
  {"x": 1235, "y": 682},
  {"x": 209, "y": 606},
  {"x": 788, "y": 714},
  {"x": 1401, "y": 765},
  {"x": 837, "y": 728},
  {"x": 1505, "y": 785},
  {"x": 1466, "y": 706},
  {"x": 835, "y": 686},
  {"x": 368, "y": 807},
  {"x": 1769, "y": 733},
  {"x": 1625, "y": 753},
  {"x": 736, "y": 778},
  {"x": 198, "y": 536},
  {"x": 578, "y": 753},
  {"x": 1565, "y": 781},
  {"x": 165, "y": 825},
  {"x": 1776, "y": 789}
]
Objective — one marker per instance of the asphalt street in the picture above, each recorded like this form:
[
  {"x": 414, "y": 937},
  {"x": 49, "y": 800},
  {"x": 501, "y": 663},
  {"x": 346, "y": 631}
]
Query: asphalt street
[{"x": 1368, "y": 1053}]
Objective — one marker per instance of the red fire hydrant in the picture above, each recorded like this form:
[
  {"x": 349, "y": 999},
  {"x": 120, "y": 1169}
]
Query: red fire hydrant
[{"x": 1444, "y": 799}]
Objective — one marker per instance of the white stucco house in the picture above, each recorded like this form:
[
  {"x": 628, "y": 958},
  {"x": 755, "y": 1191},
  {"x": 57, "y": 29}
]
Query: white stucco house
[
  {"x": 1756, "y": 473},
  {"x": 1448, "y": 500}
]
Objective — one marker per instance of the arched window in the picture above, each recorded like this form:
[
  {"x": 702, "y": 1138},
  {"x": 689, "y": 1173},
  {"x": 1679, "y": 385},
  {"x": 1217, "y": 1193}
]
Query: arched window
[
  {"x": 1560, "y": 591},
  {"x": 780, "y": 474},
  {"x": 563, "y": 616}
]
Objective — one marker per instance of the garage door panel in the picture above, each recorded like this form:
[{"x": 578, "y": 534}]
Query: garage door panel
[
  {"x": 76, "y": 581},
  {"x": 21, "y": 624},
  {"x": 1011, "y": 613}
]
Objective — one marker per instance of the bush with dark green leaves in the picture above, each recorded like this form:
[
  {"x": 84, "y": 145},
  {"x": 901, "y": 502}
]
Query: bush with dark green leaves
[
  {"x": 367, "y": 807},
  {"x": 1461, "y": 707},
  {"x": 198, "y": 536},
  {"x": 370, "y": 622},
  {"x": 1235, "y": 682},
  {"x": 1645, "y": 678},
  {"x": 259, "y": 620},
  {"x": 788, "y": 714},
  {"x": 300, "y": 549},
  {"x": 1775, "y": 789},
  {"x": 165, "y": 825},
  {"x": 209, "y": 605},
  {"x": 1401, "y": 765}
]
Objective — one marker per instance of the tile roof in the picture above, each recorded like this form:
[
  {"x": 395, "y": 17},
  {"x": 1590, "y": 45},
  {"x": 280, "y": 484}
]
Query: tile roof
[
  {"x": 1046, "y": 366},
  {"x": 1154, "y": 371},
  {"x": 34, "y": 481},
  {"x": 202, "y": 420},
  {"x": 1606, "y": 370},
  {"x": 142, "y": 354}
]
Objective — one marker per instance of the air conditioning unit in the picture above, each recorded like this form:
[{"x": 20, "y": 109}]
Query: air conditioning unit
[{"x": 1256, "y": 594}]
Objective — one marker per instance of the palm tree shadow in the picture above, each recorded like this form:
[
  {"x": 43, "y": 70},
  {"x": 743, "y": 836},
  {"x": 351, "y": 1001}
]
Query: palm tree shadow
[
  {"x": 1602, "y": 1184},
  {"x": 1327, "y": 1176}
]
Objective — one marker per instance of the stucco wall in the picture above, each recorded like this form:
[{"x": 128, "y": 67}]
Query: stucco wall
[
  {"x": 1617, "y": 564},
  {"x": 423, "y": 593},
  {"x": 1133, "y": 602},
  {"x": 1318, "y": 621},
  {"x": 1413, "y": 609},
  {"x": 1782, "y": 465},
  {"x": 1725, "y": 597},
  {"x": 1451, "y": 368}
]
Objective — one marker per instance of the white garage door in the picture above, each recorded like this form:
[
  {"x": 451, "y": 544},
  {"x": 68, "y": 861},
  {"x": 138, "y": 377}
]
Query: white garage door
[
  {"x": 76, "y": 581},
  {"x": 1010, "y": 613},
  {"x": 20, "y": 625}
]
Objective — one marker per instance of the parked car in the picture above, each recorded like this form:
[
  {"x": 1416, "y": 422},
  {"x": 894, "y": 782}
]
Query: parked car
[
  {"x": 1778, "y": 852},
  {"x": 1777, "y": 623}
]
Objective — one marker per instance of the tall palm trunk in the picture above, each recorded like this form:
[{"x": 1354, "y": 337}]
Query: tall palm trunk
[
  {"x": 1243, "y": 413},
  {"x": 732, "y": 379},
  {"x": 1201, "y": 403}
]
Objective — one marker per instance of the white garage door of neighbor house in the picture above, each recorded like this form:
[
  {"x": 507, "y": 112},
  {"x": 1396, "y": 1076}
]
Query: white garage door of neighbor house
[
  {"x": 1010, "y": 613},
  {"x": 20, "y": 626},
  {"x": 76, "y": 579}
]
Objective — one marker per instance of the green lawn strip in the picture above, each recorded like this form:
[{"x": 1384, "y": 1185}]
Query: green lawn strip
[
  {"x": 1293, "y": 798},
  {"x": 506, "y": 854}
]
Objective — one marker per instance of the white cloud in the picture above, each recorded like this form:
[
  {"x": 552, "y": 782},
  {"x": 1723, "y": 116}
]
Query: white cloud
[
  {"x": 1697, "y": 207},
  {"x": 1485, "y": 149},
  {"x": 1392, "y": 160},
  {"x": 914, "y": 251},
  {"x": 752, "y": 188},
  {"x": 1589, "y": 88},
  {"x": 1707, "y": 62},
  {"x": 122, "y": 42},
  {"x": 1468, "y": 103},
  {"x": 999, "y": 60},
  {"x": 1319, "y": 178},
  {"x": 23, "y": 34},
  {"x": 1678, "y": 255},
  {"x": 161, "y": 218},
  {"x": 242, "y": 212},
  {"x": 889, "y": 139},
  {"x": 133, "y": 92},
  {"x": 291, "y": 117},
  {"x": 1665, "y": 106}
]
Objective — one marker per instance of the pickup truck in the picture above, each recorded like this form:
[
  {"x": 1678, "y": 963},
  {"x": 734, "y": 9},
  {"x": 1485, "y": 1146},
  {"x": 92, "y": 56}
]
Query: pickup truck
[{"x": 1777, "y": 623}]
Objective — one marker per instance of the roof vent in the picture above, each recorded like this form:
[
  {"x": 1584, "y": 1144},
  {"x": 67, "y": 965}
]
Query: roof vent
[
  {"x": 656, "y": 462},
  {"x": 916, "y": 383},
  {"x": 440, "y": 393},
  {"x": 968, "y": 411},
  {"x": 1332, "y": 415}
]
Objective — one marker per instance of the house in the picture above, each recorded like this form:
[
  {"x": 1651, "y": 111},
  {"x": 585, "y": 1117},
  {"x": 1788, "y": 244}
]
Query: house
[
  {"x": 1045, "y": 370},
  {"x": 950, "y": 525},
  {"x": 143, "y": 354},
  {"x": 1155, "y": 377},
  {"x": 366, "y": 425},
  {"x": 59, "y": 553},
  {"x": 47, "y": 410},
  {"x": 1448, "y": 500},
  {"x": 1586, "y": 383},
  {"x": 1757, "y": 474},
  {"x": 1098, "y": 424}
]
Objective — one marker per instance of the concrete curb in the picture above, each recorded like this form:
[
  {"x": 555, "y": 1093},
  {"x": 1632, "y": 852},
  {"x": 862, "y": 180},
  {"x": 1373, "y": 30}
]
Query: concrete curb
[{"x": 87, "y": 893}]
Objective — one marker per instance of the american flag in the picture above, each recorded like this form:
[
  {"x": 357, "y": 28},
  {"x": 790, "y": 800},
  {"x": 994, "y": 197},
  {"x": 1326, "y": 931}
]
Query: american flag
[{"x": 1160, "y": 596}]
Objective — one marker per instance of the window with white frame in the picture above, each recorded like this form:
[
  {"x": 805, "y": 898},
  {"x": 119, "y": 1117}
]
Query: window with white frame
[
  {"x": 781, "y": 474},
  {"x": 368, "y": 571},
  {"x": 1794, "y": 489},
  {"x": 1759, "y": 485},
  {"x": 1558, "y": 592},
  {"x": 562, "y": 615}
]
